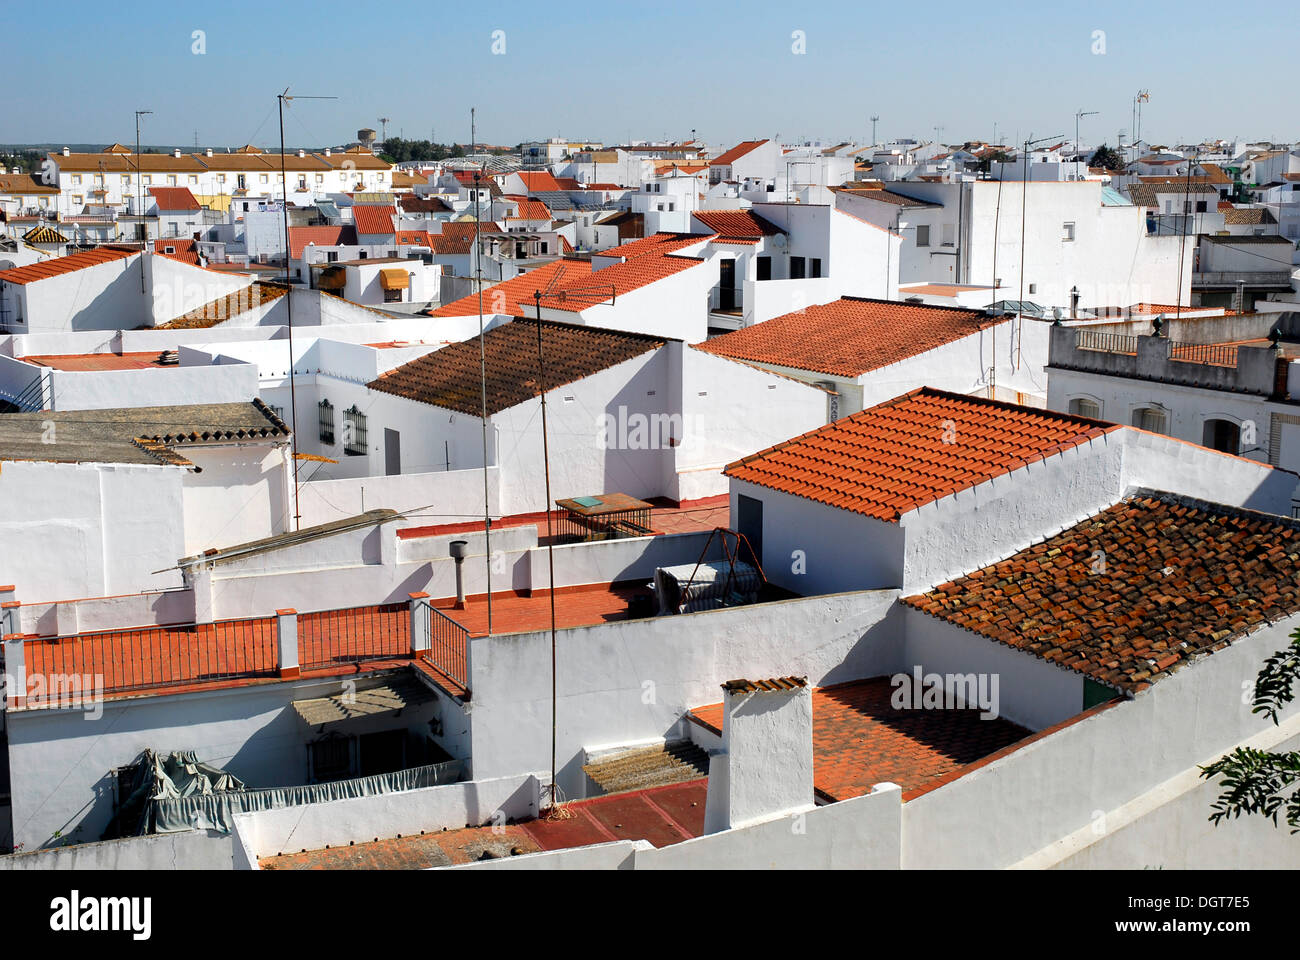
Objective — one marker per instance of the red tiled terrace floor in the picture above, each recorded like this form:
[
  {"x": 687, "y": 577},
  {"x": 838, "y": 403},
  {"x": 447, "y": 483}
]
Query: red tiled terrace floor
[
  {"x": 662, "y": 815},
  {"x": 860, "y": 740}
]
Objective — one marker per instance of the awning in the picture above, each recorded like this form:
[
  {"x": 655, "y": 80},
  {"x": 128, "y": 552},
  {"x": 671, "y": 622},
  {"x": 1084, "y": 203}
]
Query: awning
[
  {"x": 388, "y": 698},
  {"x": 394, "y": 278},
  {"x": 332, "y": 278}
]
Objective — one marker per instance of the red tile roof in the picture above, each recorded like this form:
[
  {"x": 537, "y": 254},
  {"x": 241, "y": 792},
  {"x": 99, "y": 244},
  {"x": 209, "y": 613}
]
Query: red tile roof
[
  {"x": 299, "y": 237},
  {"x": 1179, "y": 578},
  {"x": 419, "y": 238},
  {"x": 736, "y": 152},
  {"x": 913, "y": 450},
  {"x": 737, "y": 223},
  {"x": 568, "y": 183},
  {"x": 850, "y": 336},
  {"x": 531, "y": 210},
  {"x": 61, "y": 265},
  {"x": 458, "y": 237},
  {"x": 174, "y": 198},
  {"x": 860, "y": 739},
  {"x": 515, "y": 296},
  {"x": 656, "y": 243},
  {"x": 616, "y": 280},
  {"x": 536, "y": 181},
  {"x": 373, "y": 219},
  {"x": 182, "y": 249}
]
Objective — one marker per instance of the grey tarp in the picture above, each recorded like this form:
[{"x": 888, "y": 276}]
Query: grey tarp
[{"x": 180, "y": 793}]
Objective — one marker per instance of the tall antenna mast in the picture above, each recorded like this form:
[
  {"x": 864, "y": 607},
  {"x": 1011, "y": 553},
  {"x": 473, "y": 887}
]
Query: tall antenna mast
[
  {"x": 288, "y": 303},
  {"x": 383, "y": 128},
  {"x": 875, "y": 118},
  {"x": 482, "y": 367}
]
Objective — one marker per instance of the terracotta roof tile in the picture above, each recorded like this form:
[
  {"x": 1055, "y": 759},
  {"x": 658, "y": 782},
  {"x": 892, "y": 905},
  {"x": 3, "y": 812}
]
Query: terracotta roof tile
[
  {"x": 458, "y": 237},
  {"x": 737, "y": 223},
  {"x": 531, "y": 210},
  {"x": 450, "y": 377},
  {"x": 912, "y": 450},
  {"x": 370, "y": 219},
  {"x": 656, "y": 243},
  {"x": 536, "y": 181},
  {"x": 299, "y": 237},
  {"x": 860, "y": 739},
  {"x": 615, "y": 281},
  {"x": 174, "y": 198},
  {"x": 736, "y": 152},
  {"x": 515, "y": 296},
  {"x": 850, "y": 336},
  {"x": 61, "y": 265},
  {"x": 1177, "y": 579}
]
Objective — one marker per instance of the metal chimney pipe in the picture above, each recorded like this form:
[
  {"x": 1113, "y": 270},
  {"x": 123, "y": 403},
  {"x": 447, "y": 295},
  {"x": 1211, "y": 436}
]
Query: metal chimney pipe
[{"x": 458, "y": 550}]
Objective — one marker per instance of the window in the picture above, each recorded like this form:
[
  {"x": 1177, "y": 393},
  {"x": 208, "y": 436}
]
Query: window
[
  {"x": 331, "y": 758},
  {"x": 796, "y": 268},
  {"x": 354, "y": 431},
  {"x": 1033, "y": 288},
  {"x": 320, "y": 178},
  {"x": 923, "y": 235},
  {"x": 661, "y": 208},
  {"x": 949, "y": 232},
  {"x": 146, "y": 179},
  {"x": 1067, "y": 232},
  {"x": 193, "y": 179},
  {"x": 1085, "y": 407},
  {"x": 391, "y": 296},
  {"x": 326, "y": 412},
  {"x": 265, "y": 178},
  {"x": 1151, "y": 418},
  {"x": 221, "y": 178},
  {"x": 815, "y": 267},
  {"x": 331, "y": 256},
  {"x": 171, "y": 180},
  {"x": 126, "y": 180},
  {"x": 1200, "y": 206},
  {"x": 1221, "y": 435},
  {"x": 76, "y": 179},
  {"x": 77, "y": 199},
  {"x": 361, "y": 255}
]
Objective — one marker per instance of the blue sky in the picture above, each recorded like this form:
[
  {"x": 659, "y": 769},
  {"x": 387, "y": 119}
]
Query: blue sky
[{"x": 618, "y": 70}]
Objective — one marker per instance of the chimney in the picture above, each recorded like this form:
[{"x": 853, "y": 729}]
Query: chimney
[
  {"x": 67, "y": 152},
  {"x": 208, "y": 152},
  {"x": 301, "y": 152},
  {"x": 765, "y": 767},
  {"x": 327, "y": 151},
  {"x": 177, "y": 153}
]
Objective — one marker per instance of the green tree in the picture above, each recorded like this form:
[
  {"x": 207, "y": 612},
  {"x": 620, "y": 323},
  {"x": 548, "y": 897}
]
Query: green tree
[
  {"x": 1107, "y": 159},
  {"x": 1258, "y": 781}
]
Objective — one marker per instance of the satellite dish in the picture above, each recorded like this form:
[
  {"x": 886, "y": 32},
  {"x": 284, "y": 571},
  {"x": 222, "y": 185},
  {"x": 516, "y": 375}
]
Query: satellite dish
[{"x": 778, "y": 240}]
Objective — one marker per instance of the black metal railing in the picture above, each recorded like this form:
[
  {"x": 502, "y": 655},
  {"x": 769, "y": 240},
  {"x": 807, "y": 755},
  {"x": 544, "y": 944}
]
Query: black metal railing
[{"x": 448, "y": 649}]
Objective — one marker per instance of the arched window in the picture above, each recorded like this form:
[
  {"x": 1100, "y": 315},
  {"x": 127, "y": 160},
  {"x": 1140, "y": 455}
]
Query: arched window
[
  {"x": 1085, "y": 407},
  {"x": 1223, "y": 435},
  {"x": 1154, "y": 419}
]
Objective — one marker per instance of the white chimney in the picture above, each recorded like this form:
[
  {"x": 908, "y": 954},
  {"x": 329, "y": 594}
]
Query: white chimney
[
  {"x": 67, "y": 152},
  {"x": 177, "y": 153},
  {"x": 208, "y": 152},
  {"x": 327, "y": 151},
  {"x": 765, "y": 767},
  {"x": 302, "y": 153}
]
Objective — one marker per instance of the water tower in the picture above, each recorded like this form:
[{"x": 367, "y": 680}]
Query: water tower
[{"x": 367, "y": 137}]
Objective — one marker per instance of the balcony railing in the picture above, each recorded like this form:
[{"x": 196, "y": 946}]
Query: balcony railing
[
  {"x": 1106, "y": 342},
  {"x": 726, "y": 300},
  {"x": 122, "y": 661},
  {"x": 448, "y": 646},
  {"x": 332, "y": 637}
]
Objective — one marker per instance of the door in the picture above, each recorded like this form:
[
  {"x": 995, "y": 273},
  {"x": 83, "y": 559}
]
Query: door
[
  {"x": 749, "y": 523},
  {"x": 382, "y": 752},
  {"x": 764, "y": 268},
  {"x": 727, "y": 285},
  {"x": 392, "y": 452}
]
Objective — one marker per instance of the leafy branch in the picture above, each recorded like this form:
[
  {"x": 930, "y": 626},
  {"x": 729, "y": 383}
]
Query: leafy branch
[{"x": 1256, "y": 781}]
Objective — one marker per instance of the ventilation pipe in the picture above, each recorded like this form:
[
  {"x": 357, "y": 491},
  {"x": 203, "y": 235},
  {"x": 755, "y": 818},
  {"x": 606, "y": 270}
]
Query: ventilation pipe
[{"x": 458, "y": 550}]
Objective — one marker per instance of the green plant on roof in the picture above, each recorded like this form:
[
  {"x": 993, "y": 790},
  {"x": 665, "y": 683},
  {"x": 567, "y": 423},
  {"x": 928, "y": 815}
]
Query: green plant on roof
[{"x": 1259, "y": 782}]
